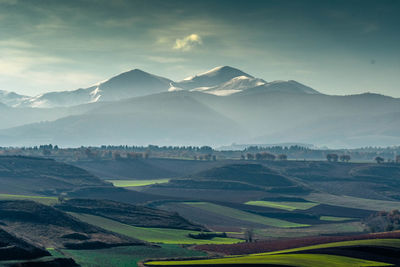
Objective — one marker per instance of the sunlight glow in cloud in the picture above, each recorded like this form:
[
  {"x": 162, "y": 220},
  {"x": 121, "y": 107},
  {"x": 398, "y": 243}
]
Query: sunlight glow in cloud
[{"x": 188, "y": 42}]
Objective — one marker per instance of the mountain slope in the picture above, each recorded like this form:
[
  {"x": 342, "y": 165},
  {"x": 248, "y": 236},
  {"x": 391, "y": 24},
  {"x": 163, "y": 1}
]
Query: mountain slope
[
  {"x": 125, "y": 85},
  {"x": 11, "y": 98},
  {"x": 281, "y": 87},
  {"x": 167, "y": 118},
  {"x": 195, "y": 118},
  {"x": 210, "y": 78}
]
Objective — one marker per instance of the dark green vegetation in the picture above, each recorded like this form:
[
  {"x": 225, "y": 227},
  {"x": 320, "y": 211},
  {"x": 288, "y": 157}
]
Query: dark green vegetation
[
  {"x": 155, "y": 235},
  {"x": 12, "y": 248},
  {"x": 128, "y": 214},
  {"x": 128, "y": 256},
  {"x": 50, "y": 227}
]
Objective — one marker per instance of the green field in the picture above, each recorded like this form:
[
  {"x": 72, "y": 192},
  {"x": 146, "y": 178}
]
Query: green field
[
  {"x": 155, "y": 235},
  {"x": 125, "y": 256},
  {"x": 354, "y": 202},
  {"x": 315, "y": 230},
  {"x": 43, "y": 200},
  {"x": 244, "y": 216},
  {"x": 301, "y": 260},
  {"x": 289, "y": 206},
  {"x": 133, "y": 183}
]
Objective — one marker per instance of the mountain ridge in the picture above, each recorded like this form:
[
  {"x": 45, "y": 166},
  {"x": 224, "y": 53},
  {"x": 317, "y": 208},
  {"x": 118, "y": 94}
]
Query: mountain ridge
[{"x": 223, "y": 81}]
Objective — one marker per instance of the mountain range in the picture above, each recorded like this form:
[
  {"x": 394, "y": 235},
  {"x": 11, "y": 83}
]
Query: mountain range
[{"x": 218, "y": 107}]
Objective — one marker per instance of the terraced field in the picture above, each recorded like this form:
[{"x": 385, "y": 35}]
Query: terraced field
[
  {"x": 242, "y": 215},
  {"x": 155, "y": 235},
  {"x": 304, "y": 256}
]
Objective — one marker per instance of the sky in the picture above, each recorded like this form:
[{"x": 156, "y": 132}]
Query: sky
[{"x": 336, "y": 47}]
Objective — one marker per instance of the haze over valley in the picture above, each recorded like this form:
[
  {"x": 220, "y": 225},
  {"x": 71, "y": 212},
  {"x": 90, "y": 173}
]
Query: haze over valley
[{"x": 222, "y": 106}]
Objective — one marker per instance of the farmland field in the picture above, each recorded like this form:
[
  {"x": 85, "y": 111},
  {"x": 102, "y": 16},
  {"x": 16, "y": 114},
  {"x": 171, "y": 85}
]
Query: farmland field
[
  {"x": 241, "y": 215},
  {"x": 293, "y": 259},
  {"x": 354, "y": 202},
  {"x": 300, "y": 260},
  {"x": 126, "y": 256},
  {"x": 41, "y": 199},
  {"x": 315, "y": 230},
  {"x": 155, "y": 235},
  {"x": 334, "y": 219},
  {"x": 134, "y": 183},
  {"x": 289, "y": 206},
  {"x": 368, "y": 242}
]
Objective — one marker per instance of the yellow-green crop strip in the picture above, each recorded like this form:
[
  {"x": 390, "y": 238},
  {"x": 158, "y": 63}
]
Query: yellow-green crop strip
[
  {"x": 366, "y": 242},
  {"x": 155, "y": 235},
  {"x": 134, "y": 183},
  {"x": 245, "y": 216},
  {"x": 289, "y": 206},
  {"x": 41, "y": 199},
  {"x": 301, "y": 260}
]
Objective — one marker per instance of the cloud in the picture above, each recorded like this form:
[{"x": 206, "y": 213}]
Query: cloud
[
  {"x": 160, "y": 59},
  {"x": 188, "y": 42}
]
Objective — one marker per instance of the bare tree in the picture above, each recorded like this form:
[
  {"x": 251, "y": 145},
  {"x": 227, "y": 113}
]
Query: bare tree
[
  {"x": 379, "y": 160},
  {"x": 332, "y": 157},
  {"x": 249, "y": 235},
  {"x": 282, "y": 157},
  {"x": 344, "y": 158}
]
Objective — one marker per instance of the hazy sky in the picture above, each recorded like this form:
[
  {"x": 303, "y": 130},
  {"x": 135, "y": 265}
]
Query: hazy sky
[{"x": 336, "y": 47}]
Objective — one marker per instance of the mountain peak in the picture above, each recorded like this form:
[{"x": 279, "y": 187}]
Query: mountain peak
[{"x": 210, "y": 78}]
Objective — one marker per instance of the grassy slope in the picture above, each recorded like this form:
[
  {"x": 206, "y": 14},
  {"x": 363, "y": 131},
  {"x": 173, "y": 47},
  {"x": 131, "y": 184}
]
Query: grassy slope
[
  {"x": 241, "y": 215},
  {"x": 156, "y": 235},
  {"x": 354, "y": 202},
  {"x": 315, "y": 230},
  {"x": 133, "y": 183},
  {"x": 289, "y": 206},
  {"x": 126, "y": 256},
  {"x": 40, "y": 199}
]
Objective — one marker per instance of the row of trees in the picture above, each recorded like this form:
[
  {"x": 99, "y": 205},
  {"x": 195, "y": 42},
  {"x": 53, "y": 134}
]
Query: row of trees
[
  {"x": 335, "y": 157},
  {"x": 205, "y": 157},
  {"x": 263, "y": 156},
  {"x": 332, "y": 157},
  {"x": 384, "y": 221}
]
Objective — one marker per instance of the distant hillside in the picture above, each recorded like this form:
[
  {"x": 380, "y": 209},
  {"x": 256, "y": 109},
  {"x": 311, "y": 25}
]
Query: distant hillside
[
  {"x": 134, "y": 215},
  {"x": 238, "y": 177},
  {"x": 27, "y": 175},
  {"x": 50, "y": 227},
  {"x": 250, "y": 173}
]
